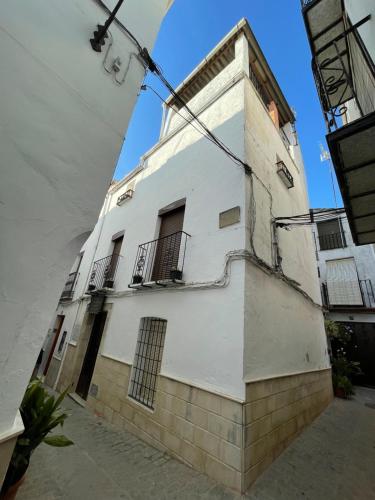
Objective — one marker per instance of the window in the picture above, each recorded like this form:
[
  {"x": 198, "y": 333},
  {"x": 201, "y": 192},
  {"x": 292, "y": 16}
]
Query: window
[
  {"x": 331, "y": 234},
  {"x": 147, "y": 360},
  {"x": 342, "y": 283}
]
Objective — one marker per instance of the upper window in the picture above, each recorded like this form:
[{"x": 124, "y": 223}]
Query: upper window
[
  {"x": 147, "y": 360},
  {"x": 331, "y": 234}
]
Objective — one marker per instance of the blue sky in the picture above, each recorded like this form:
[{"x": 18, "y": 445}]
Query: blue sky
[{"x": 191, "y": 29}]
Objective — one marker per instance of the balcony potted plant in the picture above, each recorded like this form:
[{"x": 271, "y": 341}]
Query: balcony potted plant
[
  {"x": 175, "y": 273},
  {"x": 137, "y": 278},
  {"x": 40, "y": 414}
]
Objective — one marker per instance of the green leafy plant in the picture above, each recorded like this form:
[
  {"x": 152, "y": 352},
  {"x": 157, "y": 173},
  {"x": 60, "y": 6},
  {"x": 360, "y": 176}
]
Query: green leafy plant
[
  {"x": 40, "y": 414},
  {"x": 343, "y": 370},
  {"x": 342, "y": 385}
]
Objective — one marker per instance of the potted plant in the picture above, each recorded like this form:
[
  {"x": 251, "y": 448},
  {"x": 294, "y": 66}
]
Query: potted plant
[
  {"x": 342, "y": 386},
  {"x": 40, "y": 414},
  {"x": 137, "y": 278},
  {"x": 108, "y": 284},
  {"x": 175, "y": 273}
]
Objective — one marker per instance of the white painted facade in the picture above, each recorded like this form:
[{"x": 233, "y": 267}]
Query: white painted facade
[
  {"x": 63, "y": 120},
  {"x": 234, "y": 319}
]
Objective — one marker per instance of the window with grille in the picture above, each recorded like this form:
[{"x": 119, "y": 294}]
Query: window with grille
[{"x": 147, "y": 360}]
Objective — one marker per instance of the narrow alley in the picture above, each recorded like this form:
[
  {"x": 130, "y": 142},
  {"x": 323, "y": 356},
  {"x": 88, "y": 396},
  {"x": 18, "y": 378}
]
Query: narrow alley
[{"x": 333, "y": 459}]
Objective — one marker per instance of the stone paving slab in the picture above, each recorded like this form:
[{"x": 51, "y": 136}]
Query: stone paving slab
[{"x": 333, "y": 459}]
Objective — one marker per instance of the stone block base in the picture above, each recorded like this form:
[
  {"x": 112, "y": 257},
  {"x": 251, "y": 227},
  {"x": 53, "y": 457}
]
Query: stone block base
[
  {"x": 7, "y": 442},
  {"x": 276, "y": 411},
  {"x": 233, "y": 442}
]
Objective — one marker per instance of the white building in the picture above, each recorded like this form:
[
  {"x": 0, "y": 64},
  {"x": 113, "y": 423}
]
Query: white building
[
  {"x": 64, "y": 112},
  {"x": 347, "y": 276},
  {"x": 207, "y": 340},
  {"x": 341, "y": 34}
]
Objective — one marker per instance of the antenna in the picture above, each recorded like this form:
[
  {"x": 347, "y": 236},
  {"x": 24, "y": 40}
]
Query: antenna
[{"x": 325, "y": 156}]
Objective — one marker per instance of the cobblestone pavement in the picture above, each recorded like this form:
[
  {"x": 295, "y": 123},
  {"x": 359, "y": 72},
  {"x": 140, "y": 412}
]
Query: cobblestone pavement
[{"x": 333, "y": 459}]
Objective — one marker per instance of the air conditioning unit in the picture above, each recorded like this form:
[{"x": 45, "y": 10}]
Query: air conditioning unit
[{"x": 125, "y": 196}]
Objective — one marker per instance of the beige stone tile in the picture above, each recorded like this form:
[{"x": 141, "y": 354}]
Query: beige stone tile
[
  {"x": 196, "y": 415},
  {"x": 258, "y": 390},
  {"x": 127, "y": 411},
  {"x": 231, "y": 455},
  {"x": 193, "y": 455},
  {"x": 183, "y": 428},
  {"x": 257, "y": 429},
  {"x": 231, "y": 410},
  {"x": 207, "y": 441},
  {"x": 280, "y": 416},
  {"x": 108, "y": 413},
  {"x": 225, "y": 429},
  {"x": 222, "y": 473},
  {"x": 258, "y": 409},
  {"x": 206, "y": 400},
  {"x": 118, "y": 420},
  {"x": 171, "y": 442}
]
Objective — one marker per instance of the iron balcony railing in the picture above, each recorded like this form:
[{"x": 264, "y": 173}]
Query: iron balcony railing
[
  {"x": 332, "y": 241},
  {"x": 306, "y": 3},
  {"x": 68, "y": 290},
  {"x": 161, "y": 260},
  {"x": 104, "y": 272},
  {"x": 284, "y": 174},
  {"x": 367, "y": 292}
]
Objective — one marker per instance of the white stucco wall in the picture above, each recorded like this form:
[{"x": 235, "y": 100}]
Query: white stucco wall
[
  {"x": 255, "y": 326},
  {"x": 284, "y": 332},
  {"x": 204, "y": 339},
  {"x": 357, "y": 10},
  {"x": 63, "y": 120}
]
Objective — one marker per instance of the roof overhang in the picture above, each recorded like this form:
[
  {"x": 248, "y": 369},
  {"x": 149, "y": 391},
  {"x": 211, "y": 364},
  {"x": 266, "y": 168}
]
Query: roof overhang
[
  {"x": 220, "y": 55},
  {"x": 352, "y": 150}
]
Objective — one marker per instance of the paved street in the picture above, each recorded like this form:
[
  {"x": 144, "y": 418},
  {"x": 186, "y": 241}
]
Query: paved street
[{"x": 333, "y": 459}]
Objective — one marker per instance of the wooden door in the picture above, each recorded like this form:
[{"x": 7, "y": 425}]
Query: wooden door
[
  {"x": 91, "y": 354},
  {"x": 56, "y": 333},
  {"x": 168, "y": 246},
  {"x": 111, "y": 271}
]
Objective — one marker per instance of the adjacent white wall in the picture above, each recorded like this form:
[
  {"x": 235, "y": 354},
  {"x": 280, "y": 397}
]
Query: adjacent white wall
[
  {"x": 284, "y": 332},
  {"x": 63, "y": 120}
]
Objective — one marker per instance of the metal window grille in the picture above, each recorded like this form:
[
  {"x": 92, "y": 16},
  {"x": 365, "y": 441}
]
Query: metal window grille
[{"x": 147, "y": 360}]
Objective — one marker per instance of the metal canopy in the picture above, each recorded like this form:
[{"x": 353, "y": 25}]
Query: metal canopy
[{"x": 352, "y": 150}]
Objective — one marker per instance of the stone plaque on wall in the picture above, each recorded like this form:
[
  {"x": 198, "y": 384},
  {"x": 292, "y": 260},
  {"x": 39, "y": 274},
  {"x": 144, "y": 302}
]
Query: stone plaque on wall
[{"x": 229, "y": 217}]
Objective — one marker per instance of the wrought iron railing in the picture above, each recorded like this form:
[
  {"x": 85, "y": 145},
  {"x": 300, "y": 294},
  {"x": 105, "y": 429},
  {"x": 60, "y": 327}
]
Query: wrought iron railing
[
  {"x": 367, "y": 293},
  {"x": 285, "y": 175},
  {"x": 306, "y": 3},
  {"x": 160, "y": 260},
  {"x": 104, "y": 272},
  {"x": 343, "y": 69},
  {"x": 332, "y": 241},
  {"x": 68, "y": 290}
]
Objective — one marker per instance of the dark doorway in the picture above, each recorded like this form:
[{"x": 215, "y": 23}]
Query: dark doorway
[
  {"x": 362, "y": 349},
  {"x": 92, "y": 350},
  {"x": 56, "y": 332},
  {"x": 169, "y": 243}
]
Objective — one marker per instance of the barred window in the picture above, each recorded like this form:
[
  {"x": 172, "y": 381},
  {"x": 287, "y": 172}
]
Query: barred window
[{"x": 147, "y": 360}]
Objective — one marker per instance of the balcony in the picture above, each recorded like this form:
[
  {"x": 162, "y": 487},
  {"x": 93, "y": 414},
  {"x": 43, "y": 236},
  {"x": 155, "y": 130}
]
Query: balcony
[
  {"x": 332, "y": 241},
  {"x": 160, "y": 262},
  {"x": 68, "y": 291},
  {"x": 345, "y": 79},
  {"x": 284, "y": 174},
  {"x": 367, "y": 293},
  {"x": 103, "y": 273}
]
